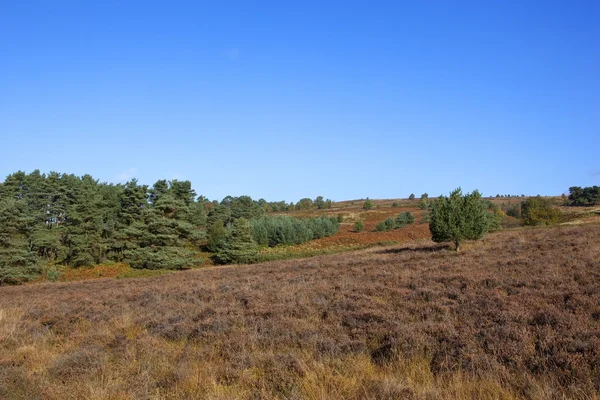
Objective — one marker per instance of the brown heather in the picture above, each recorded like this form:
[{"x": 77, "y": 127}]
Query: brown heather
[{"x": 516, "y": 315}]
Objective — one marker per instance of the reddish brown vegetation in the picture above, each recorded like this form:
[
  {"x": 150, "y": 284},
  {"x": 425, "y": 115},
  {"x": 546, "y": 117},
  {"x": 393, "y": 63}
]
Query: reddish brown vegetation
[{"x": 516, "y": 315}]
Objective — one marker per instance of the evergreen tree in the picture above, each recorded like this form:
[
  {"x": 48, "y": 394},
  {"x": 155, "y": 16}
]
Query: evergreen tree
[
  {"x": 17, "y": 260},
  {"x": 245, "y": 207},
  {"x": 457, "y": 218},
  {"x": 158, "y": 189},
  {"x": 182, "y": 190},
  {"x": 162, "y": 242},
  {"x": 219, "y": 212},
  {"x": 218, "y": 235},
  {"x": 240, "y": 248}
]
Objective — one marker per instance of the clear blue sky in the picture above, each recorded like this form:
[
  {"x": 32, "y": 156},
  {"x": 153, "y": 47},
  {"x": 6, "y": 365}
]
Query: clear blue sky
[{"x": 284, "y": 100}]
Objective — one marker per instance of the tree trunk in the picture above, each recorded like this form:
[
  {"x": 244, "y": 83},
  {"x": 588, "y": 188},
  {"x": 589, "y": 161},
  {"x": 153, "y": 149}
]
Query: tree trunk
[{"x": 457, "y": 246}]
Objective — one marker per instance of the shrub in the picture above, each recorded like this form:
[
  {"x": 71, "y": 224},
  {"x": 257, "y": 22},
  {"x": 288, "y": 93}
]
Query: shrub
[
  {"x": 412, "y": 196},
  {"x": 368, "y": 205},
  {"x": 405, "y": 218},
  {"x": 457, "y": 218},
  {"x": 395, "y": 204},
  {"x": 340, "y": 218},
  {"x": 495, "y": 218},
  {"x": 514, "y": 210},
  {"x": 423, "y": 204},
  {"x": 390, "y": 223},
  {"x": 275, "y": 230},
  {"x": 359, "y": 226},
  {"x": 53, "y": 274},
  {"x": 539, "y": 211}
]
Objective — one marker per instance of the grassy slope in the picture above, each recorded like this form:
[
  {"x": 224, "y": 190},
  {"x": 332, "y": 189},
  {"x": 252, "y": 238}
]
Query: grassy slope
[{"x": 515, "y": 316}]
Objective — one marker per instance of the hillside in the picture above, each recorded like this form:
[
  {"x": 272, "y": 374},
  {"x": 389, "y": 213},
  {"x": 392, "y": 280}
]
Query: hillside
[{"x": 516, "y": 315}]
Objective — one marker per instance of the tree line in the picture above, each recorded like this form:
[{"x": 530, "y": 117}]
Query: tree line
[
  {"x": 587, "y": 196},
  {"x": 64, "y": 219}
]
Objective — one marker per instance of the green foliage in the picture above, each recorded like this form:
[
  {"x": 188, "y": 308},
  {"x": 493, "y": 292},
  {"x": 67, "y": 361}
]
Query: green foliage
[
  {"x": 404, "y": 218},
  {"x": 513, "y": 210},
  {"x": 219, "y": 212},
  {"x": 218, "y": 235},
  {"x": 424, "y": 203},
  {"x": 412, "y": 196},
  {"x": 539, "y": 211},
  {"x": 457, "y": 218},
  {"x": 241, "y": 247},
  {"x": 395, "y": 204},
  {"x": 245, "y": 207},
  {"x": 390, "y": 224},
  {"x": 275, "y": 230},
  {"x": 587, "y": 196},
  {"x": 495, "y": 216},
  {"x": 77, "y": 221},
  {"x": 359, "y": 226},
  {"x": 368, "y": 204},
  {"x": 304, "y": 204},
  {"x": 322, "y": 203},
  {"x": 280, "y": 206},
  {"x": 340, "y": 218},
  {"x": 164, "y": 257},
  {"x": 53, "y": 274},
  {"x": 17, "y": 260}
]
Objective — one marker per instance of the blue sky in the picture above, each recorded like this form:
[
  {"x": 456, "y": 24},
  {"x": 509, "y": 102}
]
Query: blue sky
[{"x": 284, "y": 100}]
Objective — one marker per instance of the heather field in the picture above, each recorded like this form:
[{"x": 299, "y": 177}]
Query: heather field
[{"x": 515, "y": 315}]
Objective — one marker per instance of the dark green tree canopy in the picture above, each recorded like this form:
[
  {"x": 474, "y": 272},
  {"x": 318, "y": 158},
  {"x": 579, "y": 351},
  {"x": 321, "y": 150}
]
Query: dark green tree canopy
[
  {"x": 458, "y": 217},
  {"x": 587, "y": 196}
]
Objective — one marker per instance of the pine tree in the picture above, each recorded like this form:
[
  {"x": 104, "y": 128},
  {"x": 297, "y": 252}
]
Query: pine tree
[
  {"x": 218, "y": 235},
  {"x": 240, "y": 248},
  {"x": 457, "y": 218},
  {"x": 162, "y": 240},
  {"x": 17, "y": 260}
]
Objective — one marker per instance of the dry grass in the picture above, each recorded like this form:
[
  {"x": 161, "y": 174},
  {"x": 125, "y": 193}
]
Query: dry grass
[{"x": 516, "y": 315}]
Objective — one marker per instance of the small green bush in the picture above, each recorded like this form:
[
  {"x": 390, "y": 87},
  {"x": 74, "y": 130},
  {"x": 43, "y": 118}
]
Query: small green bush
[
  {"x": 405, "y": 218},
  {"x": 368, "y": 205},
  {"x": 390, "y": 224},
  {"x": 380, "y": 227},
  {"x": 53, "y": 274},
  {"x": 359, "y": 226},
  {"x": 395, "y": 204},
  {"x": 412, "y": 196},
  {"x": 340, "y": 218}
]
